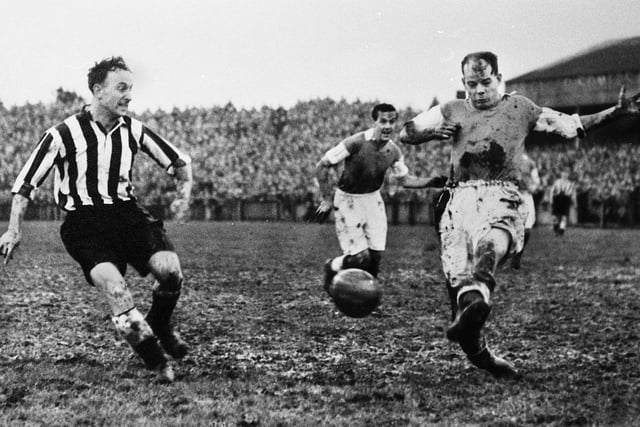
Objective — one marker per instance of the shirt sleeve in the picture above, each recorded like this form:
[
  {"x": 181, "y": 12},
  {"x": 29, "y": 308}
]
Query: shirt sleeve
[
  {"x": 337, "y": 154},
  {"x": 430, "y": 119},
  {"x": 567, "y": 126},
  {"x": 163, "y": 152},
  {"x": 37, "y": 167}
]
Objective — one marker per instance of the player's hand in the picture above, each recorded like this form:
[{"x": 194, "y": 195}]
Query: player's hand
[
  {"x": 446, "y": 130},
  {"x": 393, "y": 185},
  {"x": 180, "y": 209},
  {"x": 9, "y": 241},
  {"x": 627, "y": 106},
  {"x": 323, "y": 211}
]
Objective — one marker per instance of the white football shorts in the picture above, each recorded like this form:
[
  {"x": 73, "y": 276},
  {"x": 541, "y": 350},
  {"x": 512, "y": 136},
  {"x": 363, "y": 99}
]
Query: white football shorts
[
  {"x": 361, "y": 221},
  {"x": 474, "y": 208},
  {"x": 531, "y": 210}
]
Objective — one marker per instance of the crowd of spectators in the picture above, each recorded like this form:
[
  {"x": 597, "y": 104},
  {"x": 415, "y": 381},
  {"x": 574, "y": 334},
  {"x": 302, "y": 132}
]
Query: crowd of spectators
[
  {"x": 607, "y": 177},
  {"x": 270, "y": 153}
]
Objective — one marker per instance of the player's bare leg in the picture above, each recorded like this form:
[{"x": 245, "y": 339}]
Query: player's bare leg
[
  {"x": 473, "y": 293},
  {"x": 556, "y": 225},
  {"x": 473, "y": 307},
  {"x": 129, "y": 322},
  {"x": 516, "y": 261},
  {"x": 562, "y": 226},
  {"x": 165, "y": 267}
]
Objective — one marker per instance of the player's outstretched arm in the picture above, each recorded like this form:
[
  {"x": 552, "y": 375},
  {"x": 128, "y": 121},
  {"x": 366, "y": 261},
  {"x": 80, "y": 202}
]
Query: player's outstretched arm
[
  {"x": 10, "y": 240},
  {"x": 411, "y": 134},
  {"x": 184, "y": 184},
  {"x": 624, "y": 107},
  {"x": 427, "y": 126},
  {"x": 411, "y": 181}
]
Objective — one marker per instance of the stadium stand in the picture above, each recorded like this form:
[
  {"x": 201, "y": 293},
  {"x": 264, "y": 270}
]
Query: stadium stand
[{"x": 259, "y": 164}]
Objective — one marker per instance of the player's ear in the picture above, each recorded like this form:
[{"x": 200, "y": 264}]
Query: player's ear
[
  {"x": 499, "y": 77},
  {"x": 96, "y": 89}
]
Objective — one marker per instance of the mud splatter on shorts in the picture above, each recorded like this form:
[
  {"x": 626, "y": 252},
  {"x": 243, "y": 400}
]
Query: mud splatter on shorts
[
  {"x": 361, "y": 221},
  {"x": 475, "y": 207}
]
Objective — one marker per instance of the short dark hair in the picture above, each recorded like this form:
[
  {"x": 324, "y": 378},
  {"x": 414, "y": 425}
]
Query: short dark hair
[
  {"x": 98, "y": 73},
  {"x": 382, "y": 108},
  {"x": 490, "y": 57}
]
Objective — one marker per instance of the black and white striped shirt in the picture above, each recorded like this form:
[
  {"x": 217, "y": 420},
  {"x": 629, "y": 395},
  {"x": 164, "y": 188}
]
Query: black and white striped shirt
[
  {"x": 563, "y": 187},
  {"x": 93, "y": 167}
]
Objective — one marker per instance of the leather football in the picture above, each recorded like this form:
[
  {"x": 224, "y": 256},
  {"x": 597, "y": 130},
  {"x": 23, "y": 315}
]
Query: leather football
[{"x": 355, "y": 292}]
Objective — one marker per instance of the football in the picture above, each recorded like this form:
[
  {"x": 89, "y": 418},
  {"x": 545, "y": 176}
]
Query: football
[{"x": 355, "y": 292}]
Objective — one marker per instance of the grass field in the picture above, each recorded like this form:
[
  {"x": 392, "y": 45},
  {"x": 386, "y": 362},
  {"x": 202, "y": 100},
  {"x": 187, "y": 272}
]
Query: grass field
[{"x": 268, "y": 348}]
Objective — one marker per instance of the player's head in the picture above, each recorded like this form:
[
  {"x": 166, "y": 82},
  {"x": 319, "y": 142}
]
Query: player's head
[
  {"x": 110, "y": 82},
  {"x": 382, "y": 108},
  {"x": 385, "y": 117},
  {"x": 481, "y": 79}
]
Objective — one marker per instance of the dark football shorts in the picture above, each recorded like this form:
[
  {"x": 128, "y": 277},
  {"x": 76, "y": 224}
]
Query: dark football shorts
[
  {"x": 123, "y": 233},
  {"x": 560, "y": 205}
]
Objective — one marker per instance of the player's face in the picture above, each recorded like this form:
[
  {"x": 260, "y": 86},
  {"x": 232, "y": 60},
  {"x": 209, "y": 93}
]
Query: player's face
[
  {"x": 384, "y": 125},
  {"x": 114, "y": 94},
  {"x": 481, "y": 84}
]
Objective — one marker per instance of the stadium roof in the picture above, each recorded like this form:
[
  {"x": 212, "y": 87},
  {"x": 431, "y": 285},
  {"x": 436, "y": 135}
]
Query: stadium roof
[{"x": 611, "y": 57}]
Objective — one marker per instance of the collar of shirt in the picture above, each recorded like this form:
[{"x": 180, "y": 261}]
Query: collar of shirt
[
  {"x": 368, "y": 134},
  {"x": 85, "y": 113}
]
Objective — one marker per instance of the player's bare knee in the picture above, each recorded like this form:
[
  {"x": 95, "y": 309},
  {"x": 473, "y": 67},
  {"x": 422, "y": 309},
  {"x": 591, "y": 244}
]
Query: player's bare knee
[
  {"x": 485, "y": 257},
  {"x": 113, "y": 286},
  {"x": 132, "y": 326},
  {"x": 165, "y": 267}
]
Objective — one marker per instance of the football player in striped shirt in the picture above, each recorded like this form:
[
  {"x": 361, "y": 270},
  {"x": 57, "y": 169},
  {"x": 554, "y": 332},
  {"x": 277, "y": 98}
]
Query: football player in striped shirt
[
  {"x": 563, "y": 193},
  {"x": 105, "y": 228}
]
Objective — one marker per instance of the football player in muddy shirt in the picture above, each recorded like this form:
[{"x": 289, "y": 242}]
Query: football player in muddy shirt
[
  {"x": 482, "y": 223},
  {"x": 359, "y": 211}
]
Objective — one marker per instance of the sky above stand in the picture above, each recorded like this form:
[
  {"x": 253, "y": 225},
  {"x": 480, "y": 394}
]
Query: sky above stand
[{"x": 253, "y": 53}]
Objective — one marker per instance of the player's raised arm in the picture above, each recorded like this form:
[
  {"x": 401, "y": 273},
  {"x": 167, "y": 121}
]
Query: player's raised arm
[
  {"x": 572, "y": 126},
  {"x": 10, "y": 240},
  {"x": 624, "y": 107},
  {"x": 427, "y": 126}
]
